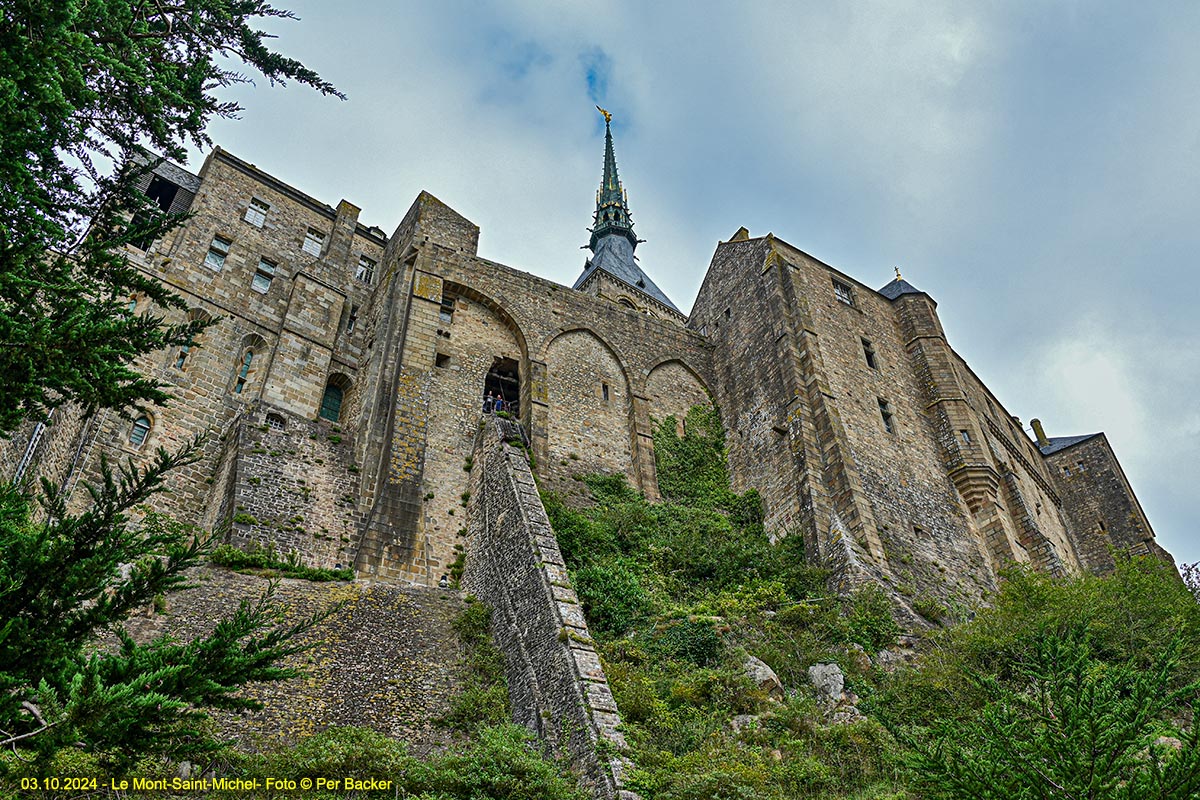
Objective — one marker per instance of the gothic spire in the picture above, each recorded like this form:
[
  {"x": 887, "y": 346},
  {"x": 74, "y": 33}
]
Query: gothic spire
[{"x": 612, "y": 210}]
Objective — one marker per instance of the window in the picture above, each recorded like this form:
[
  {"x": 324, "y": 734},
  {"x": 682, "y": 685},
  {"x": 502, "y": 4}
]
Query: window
[
  {"x": 183, "y": 354},
  {"x": 139, "y": 431},
  {"x": 727, "y": 313},
  {"x": 1066, "y": 470},
  {"x": 352, "y": 319},
  {"x": 869, "y": 354},
  {"x": 966, "y": 436},
  {"x": 263, "y": 276},
  {"x": 256, "y": 212},
  {"x": 604, "y": 391},
  {"x": 217, "y": 252},
  {"x": 1079, "y": 464},
  {"x": 243, "y": 372},
  {"x": 331, "y": 403},
  {"x": 366, "y": 270},
  {"x": 843, "y": 292},
  {"x": 441, "y": 360},
  {"x": 314, "y": 240},
  {"x": 276, "y": 422},
  {"x": 885, "y": 411},
  {"x": 446, "y": 312},
  {"x": 132, "y": 307}
]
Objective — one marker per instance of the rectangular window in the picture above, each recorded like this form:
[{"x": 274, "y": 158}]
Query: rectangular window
[
  {"x": 869, "y": 354},
  {"x": 1066, "y": 470},
  {"x": 256, "y": 213},
  {"x": 446, "y": 312},
  {"x": 604, "y": 391},
  {"x": 352, "y": 320},
  {"x": 1080, "y": 465},
  {"x": 365, "y": 271},
  {"x": 843, "y": 292},
  {"x": 885, "y": 411},
  {"x": 966, "y": 436},
  {"x": 441, "y": 360},
  {"x": 217, "y": 252},
  {"x": 314, "y": 240},
  {"x": 263, "y": 276}
]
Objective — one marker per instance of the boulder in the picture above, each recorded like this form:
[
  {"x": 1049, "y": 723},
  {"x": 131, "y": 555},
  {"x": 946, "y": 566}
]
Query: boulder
[
  {"x": 764, "y": 678},
  {"x": 829, "y": 682}
]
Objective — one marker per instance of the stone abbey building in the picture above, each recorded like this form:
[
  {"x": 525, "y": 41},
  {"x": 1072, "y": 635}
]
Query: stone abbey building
[{"x": 342, "y": 389}]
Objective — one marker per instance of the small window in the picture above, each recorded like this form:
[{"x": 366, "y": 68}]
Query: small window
[
  {"x": 885, "y": 411},
  {"x": 441, "y": 360},
  {"x": 217, "y": 252},
  {"x": 843, "y": 292},
  {"x": 276, "y": 422},
  {"x": 181, "y": 359},
  {"x": 132, "y": 307},
  {"x": 256, "y": 213},
  {"x": 139, "y": 431},
  {"x": 243, "y": 372},
  {"x": 966, "y": 436},
  {"x": 1079, "y": 465},
  {"x": 314, "y": 240},
  {"x": 1102, "y": 526},
  {"x": 727, "y": 313},
  {"x": 1066, "y": 470},
  {"x": 352, "y": 319},
  {"x": 331, "y": 403},
  {"x": 263, "y": 276},
  {"x": 604, "y": 391},
  {"x": 366, "y": 270},
  {"x": 869, "y": 354},
  {"x": 446, "y": 311}
]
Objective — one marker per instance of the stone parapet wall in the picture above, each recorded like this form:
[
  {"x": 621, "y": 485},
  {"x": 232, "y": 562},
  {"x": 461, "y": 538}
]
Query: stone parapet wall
[{"x": 555, "y": 680}]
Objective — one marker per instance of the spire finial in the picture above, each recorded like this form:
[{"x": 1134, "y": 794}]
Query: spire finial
[
  {"x": 607, "y": 116},
  {"x": 897, "y": 273}
]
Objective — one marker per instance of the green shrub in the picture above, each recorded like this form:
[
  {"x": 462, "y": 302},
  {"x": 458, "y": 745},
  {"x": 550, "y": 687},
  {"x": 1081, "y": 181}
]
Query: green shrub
[
  {"x": 256, "y": 558},
  {"x": 611, "y": 595},
  {"x": 869, "y": 621},
  {"x": 694, "y": 641}
]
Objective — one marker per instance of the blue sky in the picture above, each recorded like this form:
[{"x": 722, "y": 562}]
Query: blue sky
[{"x": 1034, "y": 166}]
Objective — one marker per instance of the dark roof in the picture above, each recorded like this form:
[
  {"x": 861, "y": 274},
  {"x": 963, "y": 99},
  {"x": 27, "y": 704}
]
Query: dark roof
[
  {"x": 614, "y": 255},
  {"x": 1058, "y": 443},
  {"x": 898, "y": 287}
]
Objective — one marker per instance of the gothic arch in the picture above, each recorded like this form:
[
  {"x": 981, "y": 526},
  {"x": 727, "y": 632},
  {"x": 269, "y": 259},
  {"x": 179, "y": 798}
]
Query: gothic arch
[
  {"x": 589, "y": 407},
  {"x": 672, "y": 388}
]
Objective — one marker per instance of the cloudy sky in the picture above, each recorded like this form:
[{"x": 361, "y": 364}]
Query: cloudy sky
[{"x": 1034, "y": 166}]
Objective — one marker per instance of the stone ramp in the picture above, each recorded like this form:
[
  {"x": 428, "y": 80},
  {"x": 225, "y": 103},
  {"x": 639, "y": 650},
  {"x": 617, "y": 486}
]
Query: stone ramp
[{"x": 388, "y": 660}]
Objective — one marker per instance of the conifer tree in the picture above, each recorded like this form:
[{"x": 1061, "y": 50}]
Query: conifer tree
[{"x": 84, "y": 87}]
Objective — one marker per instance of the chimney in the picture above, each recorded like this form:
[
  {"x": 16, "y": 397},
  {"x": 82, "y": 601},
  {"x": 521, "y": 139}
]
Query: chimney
[{"x": 1040, "y": 433}]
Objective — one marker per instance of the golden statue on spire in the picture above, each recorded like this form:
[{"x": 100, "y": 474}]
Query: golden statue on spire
[
  {"x": 897, "y": 273},
  {"x": 607, "y": 116}
]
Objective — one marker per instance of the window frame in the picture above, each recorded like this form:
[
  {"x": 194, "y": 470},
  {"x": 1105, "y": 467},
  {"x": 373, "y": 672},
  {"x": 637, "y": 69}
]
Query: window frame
[
  {"x": 216, "y": 252},
  {"x": 265, "y": 271},
  {"x": 869, "y": 353},
  {"x": 256, "y": 212},
  {"x": 888, "y": 416},
  {"x": 313, "y": 238},
  {"x": 144, "y": 429},
  {"x": 365, "y": 271},
  {"x": 844, "y": 293}
]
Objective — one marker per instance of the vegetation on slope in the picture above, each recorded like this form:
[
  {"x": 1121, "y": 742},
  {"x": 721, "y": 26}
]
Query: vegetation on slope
[{"x": 1088, "y": 678}]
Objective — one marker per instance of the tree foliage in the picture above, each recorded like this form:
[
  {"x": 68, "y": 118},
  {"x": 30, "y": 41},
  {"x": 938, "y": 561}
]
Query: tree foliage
[
  {"x": 65, "y": 579},
  {"x": 83, "y": 86}
]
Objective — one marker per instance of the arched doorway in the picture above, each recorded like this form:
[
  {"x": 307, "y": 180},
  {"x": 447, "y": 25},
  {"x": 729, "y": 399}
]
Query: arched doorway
[{"x": 503, "y": 380}]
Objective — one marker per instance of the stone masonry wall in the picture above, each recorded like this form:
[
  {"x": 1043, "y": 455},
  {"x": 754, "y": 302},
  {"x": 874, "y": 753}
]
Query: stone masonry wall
[
  {"x": 388, "y": 660},
  {"x": 555, "y": 680},
  {"x": 293, "y": 488}
]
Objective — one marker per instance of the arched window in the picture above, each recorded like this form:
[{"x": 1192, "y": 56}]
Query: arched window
[
  {"x": 243, "y": 372},
  {"x": 139, "y": 431},
  {"x": 331, "y": 403},
  {"x": 183, "y": 353},
  {"x": 276, "y": 421}
]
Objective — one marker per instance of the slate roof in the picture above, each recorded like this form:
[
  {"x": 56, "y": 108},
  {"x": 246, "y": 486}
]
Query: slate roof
[
  {"x": 1063, "y": 442},
  {"x": 898, "y": 287},
  {"x": 614, "y": 255}
]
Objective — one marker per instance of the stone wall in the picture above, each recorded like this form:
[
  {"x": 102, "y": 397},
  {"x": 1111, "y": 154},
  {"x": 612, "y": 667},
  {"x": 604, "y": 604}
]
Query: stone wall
[
  {"x": 1103, "y": 510},
  {"x": 388, "y": 660},
  {"x": 292, "y": 487},
  {"x": 555, "y": 680}
]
